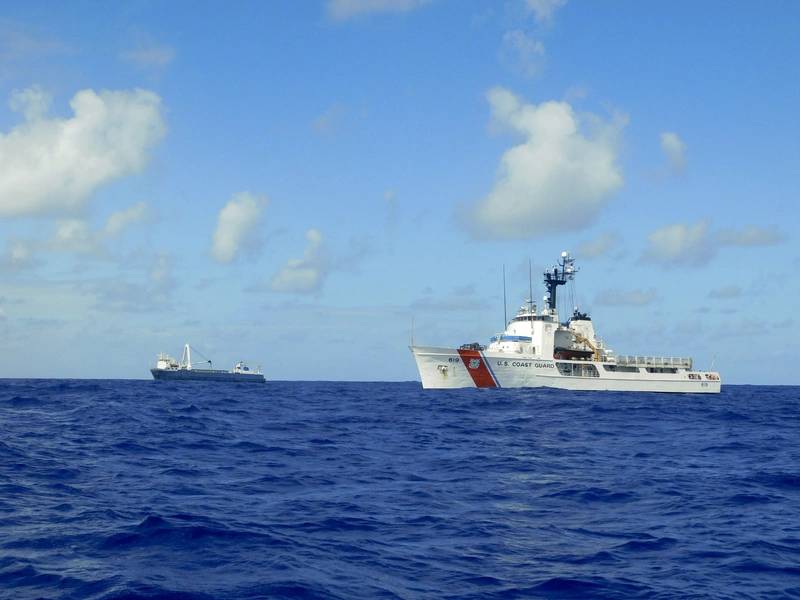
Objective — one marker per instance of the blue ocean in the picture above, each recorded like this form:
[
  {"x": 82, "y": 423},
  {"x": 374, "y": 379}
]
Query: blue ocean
[{"x": 142, "y": 490}]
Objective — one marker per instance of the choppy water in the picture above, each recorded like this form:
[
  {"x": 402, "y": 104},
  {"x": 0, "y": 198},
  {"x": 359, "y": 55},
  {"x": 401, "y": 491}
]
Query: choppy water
[{"x": 138, "y": 489}]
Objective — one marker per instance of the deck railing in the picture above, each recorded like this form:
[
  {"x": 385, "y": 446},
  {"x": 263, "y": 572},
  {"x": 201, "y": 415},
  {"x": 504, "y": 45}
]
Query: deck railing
[{"x": 655, "y": 361}]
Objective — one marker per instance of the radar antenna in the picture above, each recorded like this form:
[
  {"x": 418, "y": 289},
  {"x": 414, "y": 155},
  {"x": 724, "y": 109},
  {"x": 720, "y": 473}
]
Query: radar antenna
[{"x": 561, "y": 273}]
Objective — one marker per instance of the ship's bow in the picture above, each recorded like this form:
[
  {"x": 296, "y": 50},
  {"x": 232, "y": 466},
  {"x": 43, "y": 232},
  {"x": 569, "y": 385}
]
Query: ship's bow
[{"x": 441, "y": 368}]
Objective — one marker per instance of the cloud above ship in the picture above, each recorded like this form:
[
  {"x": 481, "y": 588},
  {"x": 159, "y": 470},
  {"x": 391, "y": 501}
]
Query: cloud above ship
[
  {"x": 303, "y": 275},
  {"x": 694, "y": 245},
  {"x": 52, "y": 165},
  {"x": 76, "y": 235},
  {"x": 558, "y": 179},
  {"x": 73, "y": 235},
  {"x": 237, "y": 227}
]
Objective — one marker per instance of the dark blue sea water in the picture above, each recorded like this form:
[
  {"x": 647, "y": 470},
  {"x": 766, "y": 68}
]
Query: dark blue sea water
[{"x": 138, "y": 489}]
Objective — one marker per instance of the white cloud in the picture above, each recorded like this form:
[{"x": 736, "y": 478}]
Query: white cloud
[
  {"x": 558, "y": 179},
  {"x": 150, "y": 55},
  {"x": 119, "y": 221},
  {"x": 53, "y": 165},
  {"x": 544, "y": 10},
  {"x": 303, "y": 275},
  {"x": 680, "y": 244},
  {"x": 751, "y": 235},
  {"x": 236, "y": 226},
  {"x": 675, "y": 149},
  {"x": 598, "y": 247},
  {"x": 341, "y": 10},
  {"x": 74, "y": 235},
  {"x": 694, "y": 245},
  {"x": 19, "y": 254},
  {"x": 32, "y": 102},
  {"x": 523, "y": 52},
  {"x": 627, "y": 297}
]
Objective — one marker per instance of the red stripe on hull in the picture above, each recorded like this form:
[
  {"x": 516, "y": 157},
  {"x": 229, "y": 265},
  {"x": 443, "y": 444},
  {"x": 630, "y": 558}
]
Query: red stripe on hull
[{"x": 477, "y": 369}]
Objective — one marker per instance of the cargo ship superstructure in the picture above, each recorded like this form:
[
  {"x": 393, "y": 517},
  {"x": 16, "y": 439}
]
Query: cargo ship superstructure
[
  {"x": 167, "y": 368},
  {"x": 538, "y": 350}
]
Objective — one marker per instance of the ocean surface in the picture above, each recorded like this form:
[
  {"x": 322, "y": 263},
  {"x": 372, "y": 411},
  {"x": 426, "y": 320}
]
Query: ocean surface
[{"x": 141, "y": 489}]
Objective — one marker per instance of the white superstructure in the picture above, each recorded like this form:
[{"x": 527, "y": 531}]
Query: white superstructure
[{"x": 537, "y": 350}]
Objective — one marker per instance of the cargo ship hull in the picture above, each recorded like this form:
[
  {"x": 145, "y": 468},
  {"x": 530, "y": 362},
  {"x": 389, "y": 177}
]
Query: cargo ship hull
[{"x": 205, "y": 375}]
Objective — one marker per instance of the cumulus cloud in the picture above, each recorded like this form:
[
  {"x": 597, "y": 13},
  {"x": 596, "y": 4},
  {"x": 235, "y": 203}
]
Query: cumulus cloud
[
  {"x": 523, "y": 53},
  {"x": 543, "y": 10},
  {"x": 558, "y": 179},
  {"x": 341, "y": 10},
  {"x": 598, "y": 247},
  {"x": 680, "y": 244},
  {"x": 675, "y": 150},
  {"x": 119, "y": 221},
  {"x": 627, "y": 297},
  {"x": 53, "y": 165},
  {"x": 76, "y": 235},
  {"x": 236, "y": 226},
  {"x": 33, "y": 102},
  {"x": 693, "y": 245},
  {"x": 73, "y": 235},
  {"x": 303, "y": 275}
]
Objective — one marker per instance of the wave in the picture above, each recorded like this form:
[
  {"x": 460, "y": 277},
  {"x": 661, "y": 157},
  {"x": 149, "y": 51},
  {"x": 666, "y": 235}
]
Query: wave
[{"x": 340, "y": 490}]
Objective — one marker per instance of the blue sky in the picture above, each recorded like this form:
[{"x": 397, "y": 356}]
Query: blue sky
[{"x": 294, "y": 182}]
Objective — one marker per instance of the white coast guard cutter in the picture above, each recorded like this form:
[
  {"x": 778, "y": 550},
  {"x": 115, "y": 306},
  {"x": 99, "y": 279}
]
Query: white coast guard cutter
[{"x": 537, "y": 350}]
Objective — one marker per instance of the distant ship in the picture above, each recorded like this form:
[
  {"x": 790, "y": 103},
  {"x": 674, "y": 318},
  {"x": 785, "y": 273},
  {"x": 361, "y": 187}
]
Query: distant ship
[
  {"x": 169, "y": 369},
  {"x": 538, "y": 350}
]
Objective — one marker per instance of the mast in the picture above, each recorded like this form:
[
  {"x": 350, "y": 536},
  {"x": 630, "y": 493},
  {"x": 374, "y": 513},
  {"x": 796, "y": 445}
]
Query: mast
[
  {"x": 530, "y": 295},
  {"x": 505, "y": 304},
  {"x": 530, "y": 289},
  {"x": 562, "y": 272}
]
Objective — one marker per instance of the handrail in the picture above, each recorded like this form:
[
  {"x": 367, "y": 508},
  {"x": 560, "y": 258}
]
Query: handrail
[{"x": 655, "y": 361}]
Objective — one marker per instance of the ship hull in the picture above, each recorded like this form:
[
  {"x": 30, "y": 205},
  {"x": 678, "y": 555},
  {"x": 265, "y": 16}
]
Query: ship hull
[
  {"x": 205, "y": 375},
  {"x": 454, "y": 368}
]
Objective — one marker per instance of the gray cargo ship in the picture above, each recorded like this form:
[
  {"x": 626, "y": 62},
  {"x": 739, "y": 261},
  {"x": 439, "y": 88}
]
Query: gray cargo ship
[{"x": 169, "y": 369}]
